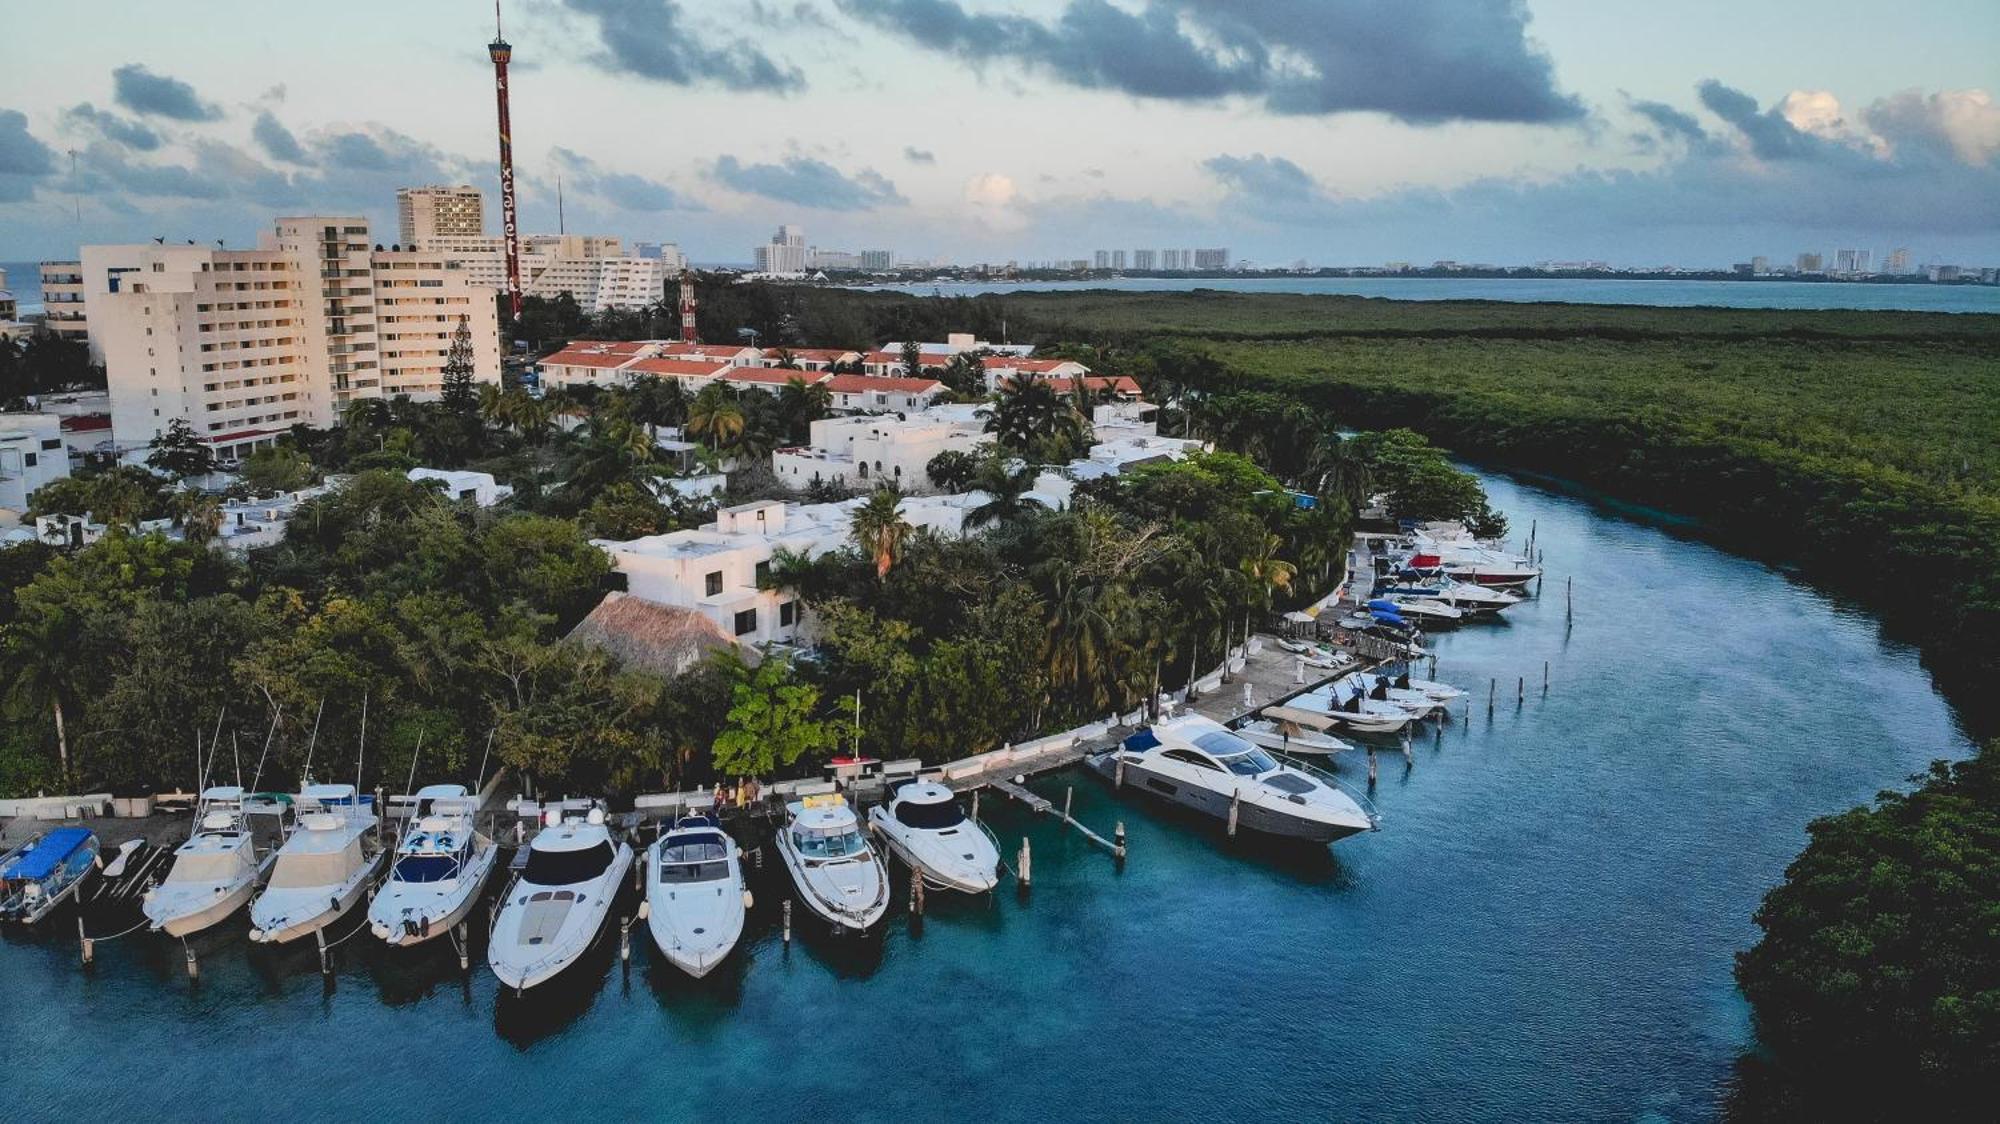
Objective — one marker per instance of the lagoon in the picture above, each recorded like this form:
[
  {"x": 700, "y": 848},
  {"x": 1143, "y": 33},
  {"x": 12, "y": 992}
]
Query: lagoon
[{"x": 1543, "y": 928}]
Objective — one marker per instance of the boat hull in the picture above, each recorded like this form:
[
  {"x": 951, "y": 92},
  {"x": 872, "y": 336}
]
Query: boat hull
[
  {"x": 192, "y": 921},
  {"x": 847, "y": 921},
  {"x": 519, "y": 975},
  {"x": 1250, "y": 815},
  {"x": 696, "y": 933},
  {"x": 933, "y": 873},
  {"x": 287, "y": 929},
  {"x": 389, "y": 925}
]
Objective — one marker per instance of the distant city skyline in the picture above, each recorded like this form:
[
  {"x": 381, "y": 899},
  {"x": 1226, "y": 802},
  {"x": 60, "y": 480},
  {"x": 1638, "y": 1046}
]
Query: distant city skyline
[{"x": 985, "y": 131}]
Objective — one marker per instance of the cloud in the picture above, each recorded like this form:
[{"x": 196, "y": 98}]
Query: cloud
[
  {"x": 990, "y": 189},
  {"x": 1421, "y": 61},
  {"x": 24, "y": 161},
  {"x": 623, "y": 190},
  {"x": 1963, "y": 124},
  {"x": 647, "y": 39},
  {"x": 807, "y": 182},
  {"x": 917, "y": 155},
  {"x": 112, "y": 127},
  {"x": 144, "y": 92},
  {"x": 1672, "y": 123},
  {"x": 277, "y": 141}
]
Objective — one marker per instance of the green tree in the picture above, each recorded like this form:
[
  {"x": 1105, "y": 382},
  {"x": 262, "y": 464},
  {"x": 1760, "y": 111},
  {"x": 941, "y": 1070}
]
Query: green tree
[
  {"x": 879, "y": 529},
  {"x": 716, "y": 417},
  {"x": 775, "y": 719},
  {"x": 280, "y": 468},
  {"x": 179, "y": 453},
  {"x": 952, "y": 471},
  {"x": 458, "y": 398},
  {"x": 1031, "y": 418}
]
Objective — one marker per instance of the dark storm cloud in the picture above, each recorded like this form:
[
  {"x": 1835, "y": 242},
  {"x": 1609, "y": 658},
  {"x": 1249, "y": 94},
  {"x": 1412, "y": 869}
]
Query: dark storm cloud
[
  {"x": 1421, "y": 61},
  {"x": 24, "y": 161},
  {"x": 649, "y": 39},
  {"x": 623, "y": 190},
  {"x": 112, "y": 127},
  {"x": 809, "y": 183},
  {"x": 1672, "y": 123},
  {"x": 919, "y": 155},
  {"x": 277, "y": 141},
  {"x": 144, "y": 92}
]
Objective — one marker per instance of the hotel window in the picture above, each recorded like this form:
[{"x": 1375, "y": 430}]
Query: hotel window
[
  {"x": 714, "y": 583},
  {"x": 788, "y": 614},
  {"x": 746, "y": 622},
  {"x": 763, "y": 572}
]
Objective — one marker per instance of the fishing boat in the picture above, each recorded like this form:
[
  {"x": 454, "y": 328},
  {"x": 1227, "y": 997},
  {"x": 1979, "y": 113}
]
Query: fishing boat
[
  {"x": 696, "y": 898},
  {"x": 324, "y": 868},
  {"x": 1350, "y": 708},
  {"x": 1430, "y": 688},
  {"x": 924, "y": 826},
  {"x": 556, "y": 906},
  {"x": 1198, "y": 763},
  {"x": 214, "y": 873},
  {"x": 440, "y": 867},
  {"x": 1381, "y": 689},
  {"x": 1295, "y": 731},
  {"x": 42, "y": 873},
  {"x": 838, "y": 875}
]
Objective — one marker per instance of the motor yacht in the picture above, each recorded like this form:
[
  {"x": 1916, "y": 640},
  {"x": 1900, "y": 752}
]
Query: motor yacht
[
  {"x": 439, "y": 868},
  {"x": 696, "y": 898},
  {"x": 1196, "y": 762},
  {"x": 1380, "y": 688},
  {"x": 214, "y": 873},
  {"x": 1350, "y": 708},
  {"x": 324, "y": 868},
  {"x": 556, "y": 906},
  {"x": 838, "y": 875},
  {"x": 1430, "y": 688},
  {"x": 1289, "y": 735},
  {"x": 924, "y": 826},
  {"x": 42, "y": 873},
  {"x": 1467, "y": 597}
]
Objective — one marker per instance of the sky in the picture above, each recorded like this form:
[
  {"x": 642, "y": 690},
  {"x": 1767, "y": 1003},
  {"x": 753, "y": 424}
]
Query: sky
[{"x": 1336, "y": 132}]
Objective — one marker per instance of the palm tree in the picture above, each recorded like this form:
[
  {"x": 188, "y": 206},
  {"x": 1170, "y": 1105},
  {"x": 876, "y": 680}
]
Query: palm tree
[
  {"x": 654, "y": 402},
  {"x": 491, "y": 404},
  {"x": 1267, "y": 572},
  {"x": 1008, "y": 484},
  {"x": 39, "y": 653},
  {"x": 715, "y": 416},
  {"x": 800, "y": 404},
  {"x": 1030, "y": 414},
  {"x": 199, "y": 516},
  {"x": 1081, "y": 632},
  {"x": 880, "y": 529}
]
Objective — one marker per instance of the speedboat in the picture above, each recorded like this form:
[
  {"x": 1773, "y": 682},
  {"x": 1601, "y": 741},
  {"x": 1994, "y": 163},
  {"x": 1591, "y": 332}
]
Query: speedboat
[
  {"x": 695, "y": 894},
  {"x": 1467, "y": 597},
  {"x": 1381, "y": 688},
  {"x": 40, "y": 874},
  {"x": 324, "y": 868},
  {"x": 1286, "y": 735},
  {"x": 1430, "y": 688},
  {"x": 214, "y": 873},
  {"x": 1196, "y": 762},
  {"x": 1348, "y": 707},
  {"x": 1422, "y": 612},
  {"x": 555, "y": 907},
  {"x": 924, "y": 826},
  {"x": 1469, "y": 562},
  {"x": 838, "y": 875},
  {"x": 439, "y": 869}
]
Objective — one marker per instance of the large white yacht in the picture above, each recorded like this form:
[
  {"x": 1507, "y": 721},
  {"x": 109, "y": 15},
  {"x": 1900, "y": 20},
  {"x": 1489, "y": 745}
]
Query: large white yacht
[
  {"x": 323, "y": 869},
  {"x": 925, "y": 827},
  {"x": 438, "y": 871},
  {"x": 556, "y": 905},
  {"x": 838, "y": 874},
  {"x": 1199, "y": 763},
  {"x": 214, "y": 873},
  {"x": 696, "y": 898}
]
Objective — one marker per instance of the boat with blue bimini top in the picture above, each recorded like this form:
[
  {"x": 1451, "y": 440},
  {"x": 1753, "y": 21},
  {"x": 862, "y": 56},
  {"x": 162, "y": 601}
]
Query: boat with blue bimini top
[
  {"x": 1201, "y": 764},
  {"x": 440, "y": 867},
  {"x": 696, "y": 898},
  {"x": 40, "y": 874}
]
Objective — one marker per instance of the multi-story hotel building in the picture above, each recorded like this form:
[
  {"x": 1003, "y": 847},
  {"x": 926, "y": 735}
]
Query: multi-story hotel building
[{"x": 62, "y": 300}]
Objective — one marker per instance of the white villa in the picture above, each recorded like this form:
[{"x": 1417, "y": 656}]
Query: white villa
[
  {"x": 461, "y": 484},
  {"x": 864, "y": 449}
]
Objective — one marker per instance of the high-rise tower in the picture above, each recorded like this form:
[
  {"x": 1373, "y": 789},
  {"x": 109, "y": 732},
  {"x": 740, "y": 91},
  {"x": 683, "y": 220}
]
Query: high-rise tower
[{"x": 501, "y": 53}]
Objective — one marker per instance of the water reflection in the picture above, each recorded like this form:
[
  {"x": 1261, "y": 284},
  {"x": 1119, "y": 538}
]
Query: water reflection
[{"x": 546, "y": 1010}]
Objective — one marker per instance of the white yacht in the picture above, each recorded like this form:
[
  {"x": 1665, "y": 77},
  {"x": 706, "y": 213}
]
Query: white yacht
[
  {"x": 324, "y": 868},
  {"x": 1348, "y": 707},
  {"x": 696, "y": 898},
  {"x": 1468, "y": 561},
  {"x": 838, "y": 874},
  {"x": 1467, "y": 597},
  {"x": 555, "y": 907},
  {"x": 1381, "y": 689},
  {"x": 214, "y": 873},
  {"x": 925, "y": 827},
  {"x": 1287, "y": 734},
  {"x": 1196, "y": 762},
  {"x": 1430, "y": 688},
  {"x": 437, "y": 873}
]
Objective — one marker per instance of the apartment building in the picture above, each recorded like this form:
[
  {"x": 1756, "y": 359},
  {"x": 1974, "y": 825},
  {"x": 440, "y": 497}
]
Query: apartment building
[
  {"x": 427, "y": 215},
  {"x": 62, "y": 300},
  {"x": 32, "y": 453},
  {"x": 245, "y": 344}
]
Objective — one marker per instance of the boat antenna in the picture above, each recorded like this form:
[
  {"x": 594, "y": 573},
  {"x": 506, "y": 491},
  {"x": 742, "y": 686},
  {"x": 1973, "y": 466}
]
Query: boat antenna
[
  {"x": 305, "y": 777},
  {"x": 236, "y": 754},
  {"x": 410, "y": 785},
  {"x": 214, "y": 743},
  {"x": 360, "y": 750},
  {"x": 268, "y": 736},
  {"x": 480, "y": 783}
]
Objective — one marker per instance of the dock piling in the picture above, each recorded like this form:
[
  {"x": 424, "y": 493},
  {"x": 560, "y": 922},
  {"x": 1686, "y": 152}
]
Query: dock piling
[
  {"x": 381, "y": 814},
  {"x": 1569, "y": 600},
  {"x": 788, "y": 922},
  {"x": 83, "y": 940},
  {"x": 975, "y": 805},
  {"x": 1118, "y": 837},
  {"x": 193, "y": 965},
  {"x": 1521, "y": 690},
  {"x": 1069, "y": 794},
  {"x": 1118, "y": 774},
  {"x": 464, "y": 949},
  {"x": 1026, "y": 865},
  {"x": 1545, "y": 678},
  {"x": 625, "y": 939},
  {"x": 325, "y": 965},
  {"x": 916, "y": 892},
  {"x": 1492, "y": 689},
  {"x": 1371, "y": 768}
]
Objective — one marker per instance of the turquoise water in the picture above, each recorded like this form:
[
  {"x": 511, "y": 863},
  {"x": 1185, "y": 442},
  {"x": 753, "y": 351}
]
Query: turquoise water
[
  {"x": 1542, "y": 930},
  {"x": 1721, "y": 294}
]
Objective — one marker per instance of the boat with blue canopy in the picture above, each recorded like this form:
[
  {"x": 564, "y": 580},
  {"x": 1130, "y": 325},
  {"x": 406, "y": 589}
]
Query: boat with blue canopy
[{"x": 38, "y": 875}]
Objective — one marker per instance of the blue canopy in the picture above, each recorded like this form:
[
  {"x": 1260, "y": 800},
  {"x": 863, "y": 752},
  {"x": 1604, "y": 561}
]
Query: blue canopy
[
  {"x": 1143, "y": 740},
  {"x": 1384, "y": 604},
  {"x": 1390, "y": 618},
  {"x": 48, "y": 853}
]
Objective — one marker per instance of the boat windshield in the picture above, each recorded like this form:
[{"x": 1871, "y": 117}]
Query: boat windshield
[
  {"x": 930, "y": 817},
  {"x": 220, "y": 866},
  {"x": 425, "y": 868},
  {"x": 701, "y": 858},
  {"x": 1290, "y": 783},
  {"x": 1222, "y": 743},
  {"x": 828, "y": 844},
  {"x": 566, "y": 868},
  {"x": 1249, "y": 763},
  {"x": 317, "y": 868}
]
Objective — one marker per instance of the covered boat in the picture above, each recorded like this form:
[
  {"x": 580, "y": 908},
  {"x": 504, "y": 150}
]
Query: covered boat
[
  {"x": 214, "y": 873},
  {"x": 40, "y": 874},
  {"x": 324, "y": 868}
]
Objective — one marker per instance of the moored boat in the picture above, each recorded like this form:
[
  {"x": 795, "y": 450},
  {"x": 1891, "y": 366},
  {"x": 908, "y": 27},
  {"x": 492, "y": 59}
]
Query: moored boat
[
  {"x": 324, "y": 868},
  {"x": 44, "y": 872},
  {"x": 838, "y": 875},
  {"x": 696, "y": 898},
  {"x": 923, "y": 824},
  {"x": 214, "y": 873},
  {"x": 439, "y": 868},
  {"x": 554, "y": 909}
]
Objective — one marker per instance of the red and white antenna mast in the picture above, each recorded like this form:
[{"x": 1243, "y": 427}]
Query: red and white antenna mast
[
  {"x": 688, "y": 334},
  {"x": 502, "y": 52}
]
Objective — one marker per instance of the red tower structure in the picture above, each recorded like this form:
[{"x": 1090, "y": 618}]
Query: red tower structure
[
  {"x": 688, "y": 334},
  {"x": 502, "y": 53}
]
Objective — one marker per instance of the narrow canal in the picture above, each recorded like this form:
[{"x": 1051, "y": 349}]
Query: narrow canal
[{"x": 1543, "y": 929}]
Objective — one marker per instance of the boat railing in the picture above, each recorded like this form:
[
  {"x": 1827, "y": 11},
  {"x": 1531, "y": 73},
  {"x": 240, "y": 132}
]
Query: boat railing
[{"x": 1327, "y": 778}]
